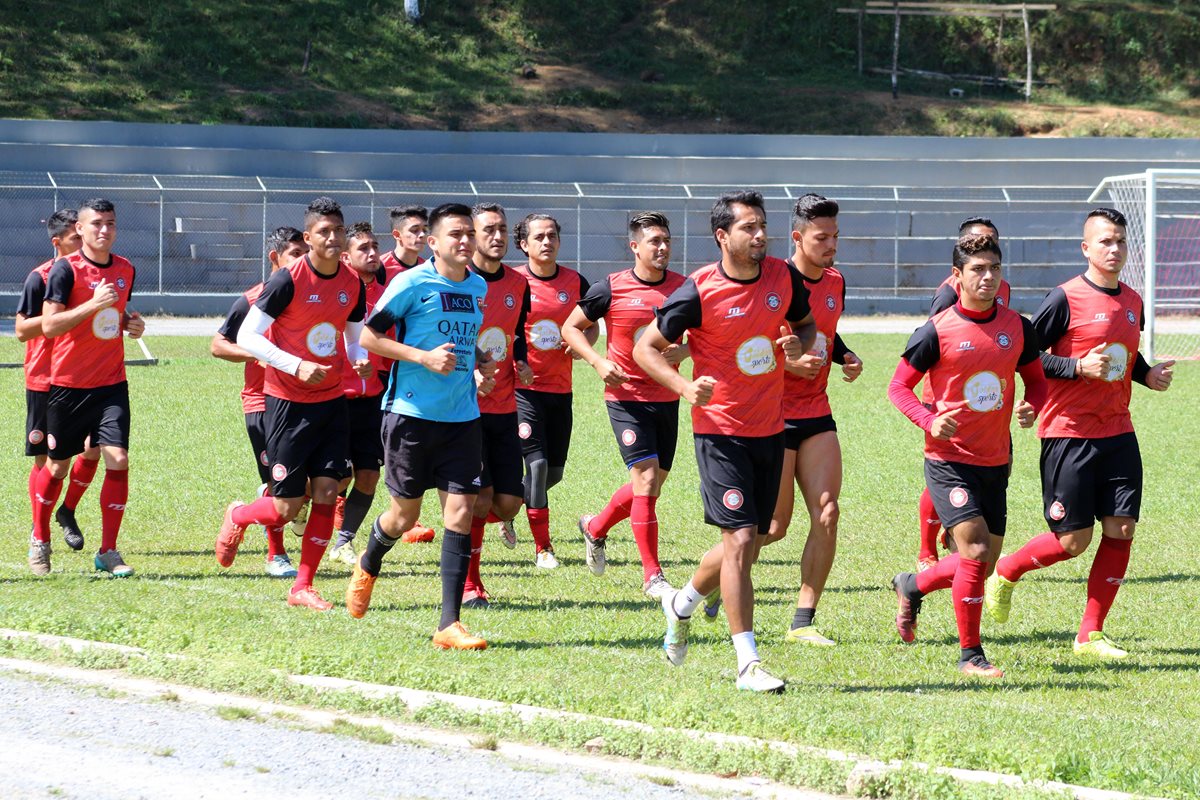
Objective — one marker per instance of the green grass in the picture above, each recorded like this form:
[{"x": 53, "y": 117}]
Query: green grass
[{"x": 569, "y": 640}]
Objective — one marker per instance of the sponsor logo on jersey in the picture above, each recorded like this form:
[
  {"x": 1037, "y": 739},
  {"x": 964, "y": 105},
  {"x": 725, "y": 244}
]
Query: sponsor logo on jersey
[
  {"x": 343, "y": 298},
  {"x": 524, "y": 431},
  {"x": 510, "y": 301},
  {"x": 733, "y": 499},
  {"x": 756, "y": 356},
  {"x": 820, "y": 347},
  {"x": 36, "y": 436},
  {"x": 494, "y": 342},
  {"x": 734, "y": 312},
  {"x": 1130, "y": 316},
  {"x": 830, "y": 303},
  {"x": 455, "y": 303},
  {"x": 958, "y": 497},
  {"x": 984, "y": 391},
  {"x": 1118, "y": 362},
  {"x": 315, "y": 297},
  {"x": 774, "y": 301},
  {"x": 563, "y": 296},
  {"x": 628, "y": 437},
  {"x": 546, "y": 335},
  {"x": 1057, "y": 511},
  {"x": 966, "y": 346},
  {"x": 107, "y": 323},
  {"x": 279, "y": 472},
  {"x": 1003, "y": 340},
  {"x": 322, "y": 339}
]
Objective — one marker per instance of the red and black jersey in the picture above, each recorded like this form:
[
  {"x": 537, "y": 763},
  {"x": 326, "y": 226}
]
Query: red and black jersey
[
  {"x": 551, "y": 302},
  {"x": 971, "y": 364},
  {"x": 310, "y": 312},
  {"x": 92, "y": 353},
  {"x": 37, "y": 349},
  {"x": 352, "y": 384},
  {"x": 253, "y": 399},
  {"x": 505, "y": 310},
  {"x": 807, "y": 399},
  {"x": 390, "y": 266},
  {"x": 1073, "y": 319},
  {"x": 947, "y": 295},
  {"x": 628, "y": 304},
  {"x": 731, "y": 327}
]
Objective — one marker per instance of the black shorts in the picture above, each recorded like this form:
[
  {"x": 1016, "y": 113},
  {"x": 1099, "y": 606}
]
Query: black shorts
[
  {"x": 366, "y": 435},
  {"x": 544, "y": 425},
  {"x": 72, "y": 415},
  {"x": 306, "y": 440},
  {"x": 256, "y": 429},
  {"x": 645, "y": 430},
  {"x": 964, "y": 491},
  {"x": 1084, "y": 480},
  {"x": 502, "y": 465},
  {"x": 739, "y": 479},
  {"x": 795, "y": 431},
  {"x": 423, "y": 454},
  {"x": 35, "y": 422}
]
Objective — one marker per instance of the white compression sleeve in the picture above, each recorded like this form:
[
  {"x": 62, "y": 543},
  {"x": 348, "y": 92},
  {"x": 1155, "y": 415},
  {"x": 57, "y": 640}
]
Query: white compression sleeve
[
  {"x": 251, "y": 339},
  {"x": 354, "y": 350}
]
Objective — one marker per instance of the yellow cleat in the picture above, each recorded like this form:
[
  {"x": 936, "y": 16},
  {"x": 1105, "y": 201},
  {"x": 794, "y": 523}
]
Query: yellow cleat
[
  {"x": 1099, "y": 646},
  {"x": 809, "y": 635},
  {"x": 997, "y": 597}
]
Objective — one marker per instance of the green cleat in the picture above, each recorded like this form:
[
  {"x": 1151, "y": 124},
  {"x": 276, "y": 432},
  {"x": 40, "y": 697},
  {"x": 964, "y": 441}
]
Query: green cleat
[
  {"x": 112, "y": 563},
  {"x": 1099, "y": 646},
  {"x": 997, "y": 597},
  {"x": 809, "y": 635},
  {"x": 712, "y": 605}
]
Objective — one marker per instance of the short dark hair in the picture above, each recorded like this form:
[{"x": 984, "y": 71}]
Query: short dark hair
[
  {"x": 61, "y": 221},
  {"x": 448, "y": 210},
  {"x": 972, "y": 221},
  {"x": 648, "y": 219},
  {"x": 359, "y": 229},
  {"x": 812, "y": 206},
  {"x": 972, "y": 245},
  {"x": 281, "y": 237},
  {"x": 400, "y": 213},
  {"x": 487, "y": 208},
  {"x": 522, "y": 231},
  {"x": 322, "y": 207},
  {"x": 722, "y": 210},
  {"x": 1110, "y": 214},
  {"x": 101, "y": 205}
]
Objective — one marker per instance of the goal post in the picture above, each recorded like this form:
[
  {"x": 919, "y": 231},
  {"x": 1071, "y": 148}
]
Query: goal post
[{"x": 1162, "y": 207}]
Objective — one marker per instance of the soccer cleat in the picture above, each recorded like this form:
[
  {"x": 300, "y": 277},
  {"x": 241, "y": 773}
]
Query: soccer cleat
[
  {"x": 72, "y": 535},
  {"x": 508, "y": 532},
  {"x": 339, "y": 512},
  {"x": 229, "y": 538},
  {"x": 455, "y": 637},
  {"x": 756, "y": 679},
  {"x": 261, "y": 491},
  {"x": 997, "y": 597},
  {"x": 358, "y": 592},
  {"x": 308, "y": 597},
  {"x": 906, "y": 616},
  {"x": 1099, "y": 646},
  {"x": 112, "y": 563},
  {"x": 809, "y": 635},
  {"x": 712, "y": 605},
  {"x": 344, "y": 553},
  {"x": 417, "y": 534},
  {"x": 977, "y": 666},
  {"x": 926, "y": 562},
  {"x": 546, "y": 559},
  {"x": 675, "y": 641},
  {"x": 475, "y": 598},
  {"x": 39, "y": 557},
  {"x": 657, "y": 586},
  {"x": 280, "y": 566},
  {"x": 300, "y": 521},
  {"x": 595, "y": 557}
]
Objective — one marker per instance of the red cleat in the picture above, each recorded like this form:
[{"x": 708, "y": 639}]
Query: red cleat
[
  {"x": 417, "y": 534},
  {"x": 307, "y": 597},
  {"x": 906, "y": 616},
  {"x": 230, "y": 537},
  {"x": 979, "y": 667}
]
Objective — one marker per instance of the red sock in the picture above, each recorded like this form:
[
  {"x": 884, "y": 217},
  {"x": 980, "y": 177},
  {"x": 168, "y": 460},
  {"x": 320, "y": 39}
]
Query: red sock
[
  {"x": 1105, "y": 579},
  {"x": 261, "y": 512},
  {"x": 968, "y": 600},
  {"x": 539, "y": 526},
  {"x": 312, "y": 545},
  {"x": 473, "y": 580},
  {"x": 114, "y": 493},
  {"x": 644, "y": 522},
  {"x": 82, "y": 472},
  {"x": 492, "y": 519},
  {"x": 1040, "y": 551},
  {"x": 275, "y": 542},
  {"x": 939, "y": 576},
  {"x": 618, "y": 508},
  {"x": 930, "y": 525},
  {"x": 45, "y": 495},
  {"x": 34, "y": 471}
]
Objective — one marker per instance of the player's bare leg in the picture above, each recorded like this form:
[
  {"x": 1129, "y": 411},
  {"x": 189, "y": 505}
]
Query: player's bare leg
[{"x": 818, "y": 471}]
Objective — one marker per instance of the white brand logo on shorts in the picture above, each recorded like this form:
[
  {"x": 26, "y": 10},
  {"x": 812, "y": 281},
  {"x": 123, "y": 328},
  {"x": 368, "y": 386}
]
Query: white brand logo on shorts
[
  {"x": 984, "y": 391},
  {"x": 546, "y": 335},
  {"x": 958, "y": 497},
  {"x": 262, "y": 457},
  {"x": 494, "y": 342},
  {"x": 733, "y": 499},
  {"x": 821, "y": 347},
  {"x": 50, "y": 441},
  {"x": 524, "y": 431},
  {"x": 279, "y": 472},
  {"x": 628, "y": 437},
  {"x": 1118, "y": 361},
  {"x": 36, "y": 436},
  {"x": 756, "y": 356},
  {"x": 1057, "y": 511},
  {"x": 322, "y": 340},
  {"x": 107, "y": 323}
]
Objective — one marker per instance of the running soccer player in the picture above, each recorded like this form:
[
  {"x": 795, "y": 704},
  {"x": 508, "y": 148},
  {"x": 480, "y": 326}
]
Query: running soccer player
[
  {"x": 431, "y": 429},
  {"x": 544, "y": 407},
  {"x": 502, "y": 336},
  {"x": 313, "y": 310},
  {"x": 812, "y": 455},
  {"x": 65, "y": 240},
  {"x": 85, "y": 311},
  {"x": 738, "y": 314},
  {"x": 969, "y": 354},
  {"x": 410, "y": 226},
  {"x": 284, "y": 246},
  {"x": 1091, "y": 463},
  {"x": 644, "y": 414}
]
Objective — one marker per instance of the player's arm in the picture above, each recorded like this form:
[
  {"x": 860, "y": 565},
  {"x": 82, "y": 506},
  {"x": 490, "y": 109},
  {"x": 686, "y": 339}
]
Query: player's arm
[
  {"x": 388, "y": 314},
  {"x": 29, "y": 309},
  {"x": 592, "y": 307},
  {"x": 1029, "y": 365},
  {"x": 852, "y": 365},
  {"x": 521, "y": 343},
  {"x": 352, "y": 333},
  {"x": 57, "y": 319},
  {"x": 1157, "y": 377},
  {"x": 803, "y": 328},
  {"x": 131, "y": 321},
  {"x": 922, "y": 353},
  {"x": 1051, "y": 322},
  {"x": 681, "y": 311},
  {"x": 592, "y": 334},
  {"x": 224, "y": 342},
  {"x": 274, "y": 300}
]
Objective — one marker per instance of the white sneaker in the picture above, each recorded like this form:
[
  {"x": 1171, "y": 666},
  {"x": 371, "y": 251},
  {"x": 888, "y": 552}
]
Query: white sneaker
[
  {"x": 261, "y": 491},
  {"x": 756, "y": 679},
  {"x": 595, "y": 557},
  {"x": 546, "y": 560},
  {"x": 343, "y": 553},
  {"x": 280, "y": 566},
  {"x": 300, "y": 521},
  {"x": 675, "y": 641},
  {"x": 508, "y": 532},
  {"x": 657, "y": 586}
]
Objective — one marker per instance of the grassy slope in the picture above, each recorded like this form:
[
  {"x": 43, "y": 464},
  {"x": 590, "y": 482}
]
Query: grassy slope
[{"x": 569, "y": 640}]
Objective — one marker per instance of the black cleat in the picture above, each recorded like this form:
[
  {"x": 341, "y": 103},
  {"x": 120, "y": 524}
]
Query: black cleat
[{"x": 65, "y": 517}]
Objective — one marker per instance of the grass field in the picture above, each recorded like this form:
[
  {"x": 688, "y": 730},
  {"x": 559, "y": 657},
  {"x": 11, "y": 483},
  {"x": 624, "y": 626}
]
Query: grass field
[{"x": 568, "y": 640}]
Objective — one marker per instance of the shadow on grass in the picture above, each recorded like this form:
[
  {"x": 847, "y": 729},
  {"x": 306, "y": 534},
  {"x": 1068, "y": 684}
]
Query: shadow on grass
[
  {"x": 1170, "y": 577},
  {"x": 1081, "y": 668},
  {"x": 969, "y": 685}
]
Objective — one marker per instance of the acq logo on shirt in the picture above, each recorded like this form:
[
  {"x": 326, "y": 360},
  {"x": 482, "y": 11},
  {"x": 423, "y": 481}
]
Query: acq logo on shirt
[{"x": 455, "y": 303}]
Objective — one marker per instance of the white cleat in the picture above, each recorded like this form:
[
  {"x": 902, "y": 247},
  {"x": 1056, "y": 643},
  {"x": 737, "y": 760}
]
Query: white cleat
[
  {"x": 675, "y": 641},
  {"x": 756, "y": 679},
  {"x": 546, "y": 560},
  {"x": 656, "y": 587}
]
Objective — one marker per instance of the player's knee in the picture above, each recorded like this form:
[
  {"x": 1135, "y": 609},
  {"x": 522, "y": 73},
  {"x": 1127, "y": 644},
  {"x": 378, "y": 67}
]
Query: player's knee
[
  {"x": 58, "y": 469},
  {"x": 537, "y": 475},
  {"x": 828, "y": 517},
  {"x": 116, "y": 460},
  {"x": 1076, "y": 542},
  {"x": 553, "y": 476},
  {"x": 976, "y": 551},
  {"x": 506, "y": 505}
]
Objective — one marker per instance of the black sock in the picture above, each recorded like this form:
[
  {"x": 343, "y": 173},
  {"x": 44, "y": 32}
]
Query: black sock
[
  {"x": 967, "y": 653},
  {"x": 803, "y": 617},
  {"x": 353, "y": 513},
  {"x": 378, "y": 546},
  {"x": 910, "y": 586},
  {"x": 456, "y": 555}
]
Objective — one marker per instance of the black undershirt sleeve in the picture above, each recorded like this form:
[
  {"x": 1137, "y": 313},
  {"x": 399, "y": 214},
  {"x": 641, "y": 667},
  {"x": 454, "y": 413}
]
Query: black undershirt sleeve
[
  {"x": 1030, "y": 351},
  {"x": 1141, "y": 368},
  {"x": 923, "y": 349},
  {"x": 680, "y": 312},
  {"x": 520, "y": 343},
  {"x": 584, "y": 286},
  {"x": 943, "y": 298},
  {"x": 234, "y": 319},
  {"x": 598, "y": 300},
  {"x": 799, "y": 308},
  {"x": 60, "y": 282},
  {"x": 277, "y": 294},
  {"x": 1050, "y": 323},
  {"x": 359, "y": 313},
  {"x": 839, "y": 350},
  {"x": 32, "y": 295}
]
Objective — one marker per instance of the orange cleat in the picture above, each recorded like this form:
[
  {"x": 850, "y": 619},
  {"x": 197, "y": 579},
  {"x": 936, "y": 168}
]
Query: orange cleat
[
  {"x": 979, "y": 667},
  {"x": 417, "y": 534},
  {"x": 926, "y": 562},
  {"x": 308, "y": 597},
  {"x": 456, "y": 637},
  {"x": 358, "y": 592},
  {"x": 339, "y": 513},
  {"x": 230, "y": 537}
]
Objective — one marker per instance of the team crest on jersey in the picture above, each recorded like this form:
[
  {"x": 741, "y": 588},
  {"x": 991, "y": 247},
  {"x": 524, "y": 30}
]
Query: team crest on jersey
[
  {"x": 733, "y": 499},
  {"x": 120, "y": 283},
  {"x": 830, "y": 303},
  {"x": 510, "y": 301},
  {"x": 774, "y": 301},
  {"x": 279, "y": 472},
  {"x": 563, "y": 297},
  {"x": 36, "y": 436},
  {"x": 524, "y": 431},
  {"x": 1003, "y": 340},
  {"x": 958, "y": 497},
  {"x": 1129, "y": 315},
  {"x": 343, "y": 298},
  {"x": 1057, "y": 511},
  {"x": 628, "y": 437}
]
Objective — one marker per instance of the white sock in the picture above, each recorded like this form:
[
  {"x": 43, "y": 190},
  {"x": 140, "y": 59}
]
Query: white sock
[
  {"x": 687, "y": 600},
  {"x": 746, "y": 649}
]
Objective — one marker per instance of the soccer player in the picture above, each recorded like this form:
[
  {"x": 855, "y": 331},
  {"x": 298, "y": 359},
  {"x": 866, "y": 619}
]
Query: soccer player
[
  {"x": 969, "y": 354},
  {"x": 410, "y": 225},
  {"x": 1091, "y": 463},
  {"x": 643, "y": 413},
  {"x": 812, "y": 456},
  {"x": 313, "y": 310},
  {"x": 65, "y": 240},
  {"x": 431, "y": 429},
  {"x": 284, "y": 246},
  {"x": 544, "y": 407},
  {"x": 85, "y": 311},
  {"x": 738, "y": 314},
  {"x": 502, "y": 336}
]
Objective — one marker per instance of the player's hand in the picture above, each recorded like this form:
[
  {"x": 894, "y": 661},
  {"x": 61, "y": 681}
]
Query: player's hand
[
  {"x": 485, "y": 364},
  {"x": 524, "y": 373},
  {"x": 676, "y": 354},
  {"x": 610, "y": 373},
  {"x": 1160, "y": 375},
  {"x": 312, "y": 373},
  {"x": 135, "y": 326},
  {"x": 363, "y": 368},
  {"x": 790, "y": 343},
  {"x": 945, "y": 425},
  {"x": 1094, "y": 363},
  {"x": 105, "y": 295},
  {"x": 1025, "y": 414},
  {"x": 700, "y": 391},
  {"x": 483, "y": 385},
  {"x": 441, "y": 359},
  {"x": 808, "y": 366},
  {"x": 852, "y": 368},
  {"x": 567, "y": 349}
]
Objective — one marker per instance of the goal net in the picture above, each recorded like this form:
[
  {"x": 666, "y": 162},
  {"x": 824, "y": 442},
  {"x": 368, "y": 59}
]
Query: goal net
[{"x": 1163, "y": 211}]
